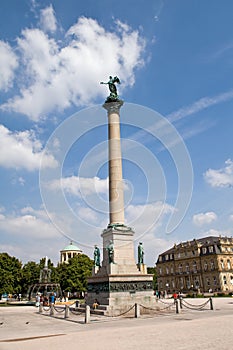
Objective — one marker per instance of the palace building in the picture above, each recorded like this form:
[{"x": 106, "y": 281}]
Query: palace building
[{"x": 202, "y": 265}]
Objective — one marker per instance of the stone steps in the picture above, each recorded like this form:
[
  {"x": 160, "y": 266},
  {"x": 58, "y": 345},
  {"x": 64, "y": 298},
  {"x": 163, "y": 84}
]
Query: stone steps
[{"x": 100, "y": 310}]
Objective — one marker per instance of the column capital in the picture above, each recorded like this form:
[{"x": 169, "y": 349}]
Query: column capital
[{"x": 113, "y": 107}]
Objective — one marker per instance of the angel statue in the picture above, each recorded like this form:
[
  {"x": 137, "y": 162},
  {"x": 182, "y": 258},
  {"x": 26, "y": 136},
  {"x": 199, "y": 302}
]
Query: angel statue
[{"x": 113, "y": 97}]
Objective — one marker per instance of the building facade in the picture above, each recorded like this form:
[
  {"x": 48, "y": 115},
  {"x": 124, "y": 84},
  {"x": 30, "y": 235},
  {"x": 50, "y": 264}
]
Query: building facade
[
  {"x": 202, "y": 265},
  {"x": 69, "y": 252}
]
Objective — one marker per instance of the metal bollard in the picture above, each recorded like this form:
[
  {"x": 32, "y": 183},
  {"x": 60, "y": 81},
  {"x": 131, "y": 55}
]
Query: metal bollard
[
  {"x": 67, "y": 311},
  {"x": 181, "y": 305},
  {"x": 137, "y": 310},
  {"x": 211, "y": 304},
  {"x": 177, "y": 306},
  {"x": 40, "y": 309},
  {"x": 87, "y": 314},
  {"x": 51, "y": 310}
]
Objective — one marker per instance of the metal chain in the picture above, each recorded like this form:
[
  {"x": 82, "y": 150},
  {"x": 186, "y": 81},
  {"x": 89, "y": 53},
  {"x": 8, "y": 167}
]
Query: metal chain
[
  {"x": 59, "y": 310},
  {"x": 123, "y": 313},
  {"x": 194, "y": 307},
  {"x": 150, "y": 308}
]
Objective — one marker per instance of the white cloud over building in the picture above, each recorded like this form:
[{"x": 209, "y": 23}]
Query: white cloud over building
[
  {"x": 222, "y": 177},
  {"x": 204, "y": 218}
]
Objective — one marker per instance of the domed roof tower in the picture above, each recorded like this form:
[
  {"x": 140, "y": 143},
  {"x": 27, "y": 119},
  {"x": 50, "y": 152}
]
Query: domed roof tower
[{"x": 69, "y": 252}]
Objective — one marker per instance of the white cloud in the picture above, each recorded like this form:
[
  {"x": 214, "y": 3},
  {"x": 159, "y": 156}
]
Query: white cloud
[
  {"x": 28, "y": 223},
  {"x": 57, "y": 74},
  {"x": 8, "y": 64},
  {"x": 153, "y": 246},
  {"x": 48, "y": 20},
  {"x": 22, "y": 150},
  {"x": 231, "y": 217},
  {"x": 148, "y": 217},
  {"x": 199, "y": 105},
  {"x": 88, "y": 215},
  {"x": 216, "y": 233},
  {"x": 222, "y": 177},
  {"x": 204, "y": 218},
  {"x": 79, "y": 186}
]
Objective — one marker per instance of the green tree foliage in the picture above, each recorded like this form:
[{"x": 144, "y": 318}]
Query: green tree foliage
[
  {"x": 152, "y": 271},
  {"x": 16, "y": 278},
  {"x": 10, "y": 274},
  {"x": 73, "y": 276}
]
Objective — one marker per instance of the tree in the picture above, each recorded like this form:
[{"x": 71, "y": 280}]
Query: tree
[
  {"x": 73, "y": 276},
  {"x": 10, "y": 274}
]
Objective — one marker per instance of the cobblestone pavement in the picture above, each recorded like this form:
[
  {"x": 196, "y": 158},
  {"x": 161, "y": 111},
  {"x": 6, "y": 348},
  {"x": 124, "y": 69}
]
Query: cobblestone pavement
[{"x": 23, "y": 328}]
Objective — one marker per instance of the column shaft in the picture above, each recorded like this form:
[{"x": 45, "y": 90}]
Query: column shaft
[{"x": 116, "y": 191}]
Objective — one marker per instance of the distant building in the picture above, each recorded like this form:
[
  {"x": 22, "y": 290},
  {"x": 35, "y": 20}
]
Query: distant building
[
  {"x": 69, "y": 252},
  {"x": 201, "y": 265}
]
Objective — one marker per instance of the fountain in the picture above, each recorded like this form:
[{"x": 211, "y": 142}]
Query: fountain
[{"x": 44, "y": 286}]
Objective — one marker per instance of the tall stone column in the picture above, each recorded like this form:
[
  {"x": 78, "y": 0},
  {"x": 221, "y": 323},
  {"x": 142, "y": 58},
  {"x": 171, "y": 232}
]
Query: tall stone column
[
  {"x": 118, "y": 283},
  {"x": 116, "y": 191},
  {"x": 117, "y": 232}
]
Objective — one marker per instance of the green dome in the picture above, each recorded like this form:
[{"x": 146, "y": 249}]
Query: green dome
[{"x": 72, "y": 247}]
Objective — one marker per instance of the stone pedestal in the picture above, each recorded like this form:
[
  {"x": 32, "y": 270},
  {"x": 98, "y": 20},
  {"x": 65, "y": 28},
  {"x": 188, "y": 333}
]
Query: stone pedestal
[{"x": 121, "y": 284}]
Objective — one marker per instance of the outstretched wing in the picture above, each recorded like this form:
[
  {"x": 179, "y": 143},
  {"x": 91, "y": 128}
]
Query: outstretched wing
[{"x": 117, "y": 80}]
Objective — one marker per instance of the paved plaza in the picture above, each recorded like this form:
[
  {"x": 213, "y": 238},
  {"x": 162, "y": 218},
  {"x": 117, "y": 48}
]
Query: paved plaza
[{"x": 23, "y": 328}]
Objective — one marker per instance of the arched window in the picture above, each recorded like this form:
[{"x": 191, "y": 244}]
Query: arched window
[
  {"x": 224, "y": 280},
  {"x": 222, "y": 264},
  {"x": 187, "y": 267},
  {"x": 228, "y": 264},
  {"x": 205, "y": 265},
  {"x": 212, "y": 267},
  {"x": 180, "y": 268},
  {"x": 167, "y": 270},
  {"x": 196, "y": 282}
]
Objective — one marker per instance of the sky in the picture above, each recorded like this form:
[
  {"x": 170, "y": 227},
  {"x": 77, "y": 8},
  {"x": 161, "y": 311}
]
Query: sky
[{"x": 174, "y": 60}]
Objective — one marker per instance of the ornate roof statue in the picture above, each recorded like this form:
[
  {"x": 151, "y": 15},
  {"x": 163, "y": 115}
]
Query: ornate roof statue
[{"x": 113, "y": 97}]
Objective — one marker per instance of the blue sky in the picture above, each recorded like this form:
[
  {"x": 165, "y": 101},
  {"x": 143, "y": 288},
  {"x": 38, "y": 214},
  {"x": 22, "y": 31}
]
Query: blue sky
[{"x": 175, "y": 63}]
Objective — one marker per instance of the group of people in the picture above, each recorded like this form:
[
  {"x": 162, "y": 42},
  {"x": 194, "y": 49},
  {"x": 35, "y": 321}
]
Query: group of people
[
  {"x": 14, "y": 296},
  {"x": 45, "y": 300},
  {"x": 163, "y": 294}
]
